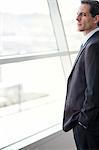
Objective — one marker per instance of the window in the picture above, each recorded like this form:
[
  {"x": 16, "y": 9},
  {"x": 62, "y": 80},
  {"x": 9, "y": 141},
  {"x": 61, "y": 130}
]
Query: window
[
  {"x": 25, "y": 29},
  {"x": 34, "y": 66}
]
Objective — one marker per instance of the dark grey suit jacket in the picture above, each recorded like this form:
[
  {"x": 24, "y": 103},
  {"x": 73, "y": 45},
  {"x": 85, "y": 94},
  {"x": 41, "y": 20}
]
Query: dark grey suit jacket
[{"x": 82, "y": 98}]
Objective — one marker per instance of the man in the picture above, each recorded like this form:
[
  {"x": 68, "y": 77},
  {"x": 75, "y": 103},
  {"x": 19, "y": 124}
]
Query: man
[{"x": 81, "y": 112}]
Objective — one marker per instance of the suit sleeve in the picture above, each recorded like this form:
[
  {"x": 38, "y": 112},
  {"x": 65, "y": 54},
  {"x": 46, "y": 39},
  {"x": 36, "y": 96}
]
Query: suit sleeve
[{"x": 90, "y": 107}]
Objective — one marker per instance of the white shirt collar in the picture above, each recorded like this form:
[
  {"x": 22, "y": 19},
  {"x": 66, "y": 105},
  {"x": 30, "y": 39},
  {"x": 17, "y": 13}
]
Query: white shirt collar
[{"x": 89, "y": 35}]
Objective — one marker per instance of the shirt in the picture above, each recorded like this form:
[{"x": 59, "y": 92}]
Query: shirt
[{"x": 86, "y": 37}]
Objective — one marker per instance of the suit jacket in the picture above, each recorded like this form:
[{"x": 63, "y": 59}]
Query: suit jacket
[{"x": 82, "y": 98}]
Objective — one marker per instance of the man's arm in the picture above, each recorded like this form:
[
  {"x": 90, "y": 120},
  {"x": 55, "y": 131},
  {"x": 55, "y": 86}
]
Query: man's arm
[{"x": 91, "y": 102}]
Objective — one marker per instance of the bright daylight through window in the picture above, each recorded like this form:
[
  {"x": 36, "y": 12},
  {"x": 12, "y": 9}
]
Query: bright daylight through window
[{"x": 34, "y": 65}]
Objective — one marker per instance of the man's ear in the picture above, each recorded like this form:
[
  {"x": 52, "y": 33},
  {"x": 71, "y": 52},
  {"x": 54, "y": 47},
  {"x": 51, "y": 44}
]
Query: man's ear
[{"x": 96, "y": 19}]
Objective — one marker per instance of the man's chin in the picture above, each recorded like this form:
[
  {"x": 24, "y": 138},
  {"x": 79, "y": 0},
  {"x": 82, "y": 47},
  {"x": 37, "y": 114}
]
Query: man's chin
[{"x": 80, "y": 30}]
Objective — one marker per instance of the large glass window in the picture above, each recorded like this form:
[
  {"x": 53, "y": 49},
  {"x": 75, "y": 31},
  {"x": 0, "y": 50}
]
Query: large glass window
[
  {"x": 33, "y": 55},
  {"x": 24, "y": 30},
  {"x": 26, "y": 83},
  {"x": 31, "y": 99}
]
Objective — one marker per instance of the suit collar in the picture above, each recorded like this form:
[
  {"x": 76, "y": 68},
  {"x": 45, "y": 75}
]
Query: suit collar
[
  {"x": 86, "y": 37},
  {"x": 82, "y": 49}
]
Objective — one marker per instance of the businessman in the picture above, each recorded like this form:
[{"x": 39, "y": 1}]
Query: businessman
[{"x": 81, "y": 111}]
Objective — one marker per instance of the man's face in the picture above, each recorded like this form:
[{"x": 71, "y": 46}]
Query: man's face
[{"x": 85, "y": 22}]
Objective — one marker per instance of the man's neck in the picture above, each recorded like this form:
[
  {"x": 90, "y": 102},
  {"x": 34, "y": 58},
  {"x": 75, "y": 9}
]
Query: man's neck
[
  {"x": 87, "y": 36},
  {"x": 88, "y": 31}
]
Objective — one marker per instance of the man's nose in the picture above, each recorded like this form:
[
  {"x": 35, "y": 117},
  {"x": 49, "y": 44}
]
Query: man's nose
[{"x": 78, "y": 18}]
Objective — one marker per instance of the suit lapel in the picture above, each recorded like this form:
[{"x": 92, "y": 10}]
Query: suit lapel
[
  {"x": 82, "y": 49},
  {"x": 79, "y": 54}
]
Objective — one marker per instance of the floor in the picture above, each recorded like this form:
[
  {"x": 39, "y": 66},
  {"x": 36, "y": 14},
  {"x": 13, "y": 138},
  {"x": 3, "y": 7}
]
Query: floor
[{"x": 57, "y": 141}]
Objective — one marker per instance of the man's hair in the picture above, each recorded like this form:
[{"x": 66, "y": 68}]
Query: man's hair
[{"x": 94, "y": 7}]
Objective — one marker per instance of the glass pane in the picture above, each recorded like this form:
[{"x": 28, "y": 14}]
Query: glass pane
[
  {"x": 68, "y": 9},
  {"x": 25, "y": 27},
  {"x": 29, "y": 93},
  {"x": 26, "y": 84}
]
